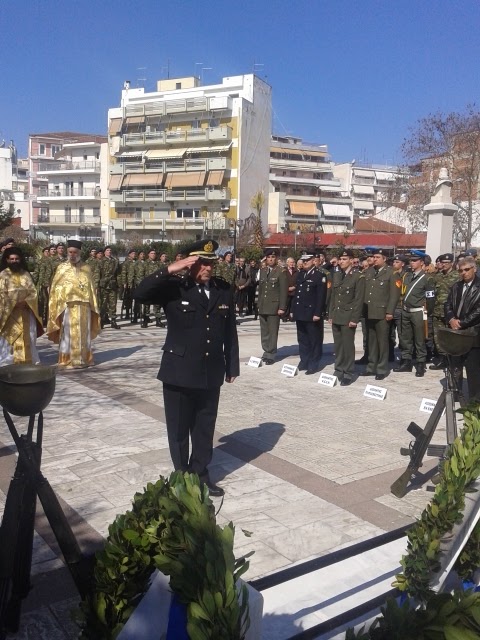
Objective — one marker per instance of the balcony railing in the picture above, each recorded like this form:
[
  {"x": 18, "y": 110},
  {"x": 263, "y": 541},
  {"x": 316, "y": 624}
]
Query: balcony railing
[
  {"x": 80, "y": 165},
  {"x": 180, "y": 136},
  {"x": 164, "y": 195},
  {"x": 74, "y": 218},
  {"x": 69, "y": 193},
  {"x": 166, "y": 166},
  {"x": 187, "y": 105}
]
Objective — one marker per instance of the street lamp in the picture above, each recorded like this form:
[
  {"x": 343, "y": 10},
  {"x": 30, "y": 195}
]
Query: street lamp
[{"x": 297, "y": 233}]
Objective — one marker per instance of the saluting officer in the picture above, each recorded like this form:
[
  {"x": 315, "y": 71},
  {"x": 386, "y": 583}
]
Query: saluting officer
[
  {"x": 199, "y": 354},
  {"x": 382, "y": 290},
  {"x": 345, "y": 311},
  {"x": 418, "y": 292},
  {"x": 308, "y": 308},
  {"x": 272, "y": 302}
]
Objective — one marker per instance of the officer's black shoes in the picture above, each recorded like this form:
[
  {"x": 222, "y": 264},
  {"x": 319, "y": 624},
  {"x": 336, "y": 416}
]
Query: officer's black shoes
[
  {"x": 366, "y": 373},
  {"x": 310, "y": 372},
  {"x": 214, "y": 490},
  {"x": 145, "y": 322},
  {"x": 268, "y": 360},
  {"x": 159, "y": 323},
  {"x": 363, "y": 360},
  {"x": 437, "y": 366},
  {"x": 302, "y": 367},
  {"x": 114, "y": 325},
  {"x": 405, "y": 366},
  {"x": 345, "y": 382},
  {"x": 380, "y": 376},
  {"x": 420, "y": 372}
]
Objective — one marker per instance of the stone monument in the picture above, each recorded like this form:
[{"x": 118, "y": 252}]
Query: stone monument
[{"x": 440, "y": 217}]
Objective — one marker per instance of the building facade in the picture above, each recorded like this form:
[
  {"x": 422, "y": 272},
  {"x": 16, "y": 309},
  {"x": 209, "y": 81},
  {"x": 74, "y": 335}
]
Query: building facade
[{"x": 187, "y": 159}]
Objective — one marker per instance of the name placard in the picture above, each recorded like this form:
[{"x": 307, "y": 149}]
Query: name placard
[
  {"x": 327, "y": 380},
  {"x": 377, "y": 393},
  {"x": 427, "y": 405},
  {"x": 289, "y": 370},
  {"x": 254, "y": 362}
]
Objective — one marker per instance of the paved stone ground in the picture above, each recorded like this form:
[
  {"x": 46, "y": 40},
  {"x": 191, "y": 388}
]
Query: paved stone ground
[{"x": 306, "y": 468}]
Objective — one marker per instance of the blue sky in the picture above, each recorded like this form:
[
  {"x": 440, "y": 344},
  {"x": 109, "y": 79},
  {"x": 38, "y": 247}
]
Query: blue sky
[{"x": 352, "y": 74}]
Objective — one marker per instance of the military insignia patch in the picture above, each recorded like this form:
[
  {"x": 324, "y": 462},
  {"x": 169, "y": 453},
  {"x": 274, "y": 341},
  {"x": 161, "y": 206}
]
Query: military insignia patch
[
  {"x": 329, "y": 284},
  {"x": 208, "y": 248},
  {"x": 398, "y": 283},
  {"x": 430, "y": 294}
]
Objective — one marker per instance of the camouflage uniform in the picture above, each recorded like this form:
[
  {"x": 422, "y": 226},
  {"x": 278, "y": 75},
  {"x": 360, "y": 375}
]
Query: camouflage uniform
[
  {"x": 43, "y": 283},
  {"x": 109, "y": 288},
  {"x": 225, "y": 271},
  {"x": 53, "y": 264},
  {"x": 127, "y": 278},
  {"x": 150, "y": 267},
  {"x": 442, "y": 284},
  {"x": 138, "y": 275}
]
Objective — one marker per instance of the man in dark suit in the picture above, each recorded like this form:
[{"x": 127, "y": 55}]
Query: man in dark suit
[
  {"x": 462, "y": 311},
  {"x": 200, "y": 352},
  {"x": 308, "y": 310}
]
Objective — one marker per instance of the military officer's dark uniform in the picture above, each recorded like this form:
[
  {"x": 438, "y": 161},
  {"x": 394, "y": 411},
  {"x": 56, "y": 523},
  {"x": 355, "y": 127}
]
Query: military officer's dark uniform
[
  {"x": 309, "y": 303},
  {"x": 347, "y": 293},
  {"x": 200, "y": 352},
  {"x": 272, "y": 298},
  {"x": 382, "y": 290}
]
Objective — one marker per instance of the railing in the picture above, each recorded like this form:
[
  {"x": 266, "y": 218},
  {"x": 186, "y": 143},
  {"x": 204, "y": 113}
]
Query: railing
[
  {"x": 167, "y": 107},
  {"x": 166, "y": 166},
  {"x": 74, "y": 218},
  {"x": 80, "y": 165},
  {"x": 70, "y": 193},
  {"x": 178, "y": 136},
  {"x": 163, "y": 195}
]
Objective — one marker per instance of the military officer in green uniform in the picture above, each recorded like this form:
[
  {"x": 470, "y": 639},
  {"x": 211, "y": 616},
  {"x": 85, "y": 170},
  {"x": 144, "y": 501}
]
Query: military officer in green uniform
[
  {"x": 57, "y": 258},
  {"x": 382, "y": 290},
  {"x": 151, "y": 265},
  {"x": 138, "y": 275},
  {"x": 400, "y": 264},
  {"x": 226, "y": 269},
  {"x": 443, "y": 282},
  {"x": 418, "y": 293},
  {"x": 109, "y": 271},
  {"x": 347, "y": 293},
  {"x": 127, "y": 276},
  {"x": 43, "y": 277},
  {"x": 272, "y": 302}
]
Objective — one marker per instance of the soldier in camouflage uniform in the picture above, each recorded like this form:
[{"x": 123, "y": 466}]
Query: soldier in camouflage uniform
[
  {"x": 226, "y": 269},
  {"x": 42, "y": 282},
  {"x": 127, "y": 277},
  {"x": 57, "y": 259},
  {"x": 138, "y": 275},
  {"x": 109, "y": 271},
  {"x": 443, "y": 282},
  {"x": 151, "y": 265}
]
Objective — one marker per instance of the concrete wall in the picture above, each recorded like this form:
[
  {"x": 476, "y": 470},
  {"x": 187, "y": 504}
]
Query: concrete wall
[{"x": 5, "y": 169}]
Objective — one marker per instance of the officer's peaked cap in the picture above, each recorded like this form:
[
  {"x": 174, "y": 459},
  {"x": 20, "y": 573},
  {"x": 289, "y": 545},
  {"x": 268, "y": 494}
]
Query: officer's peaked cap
[{"x": 205, "y": 249}]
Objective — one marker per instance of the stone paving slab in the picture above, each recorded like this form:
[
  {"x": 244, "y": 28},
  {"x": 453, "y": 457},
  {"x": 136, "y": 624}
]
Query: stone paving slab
[{"x": 305, "y": 468}]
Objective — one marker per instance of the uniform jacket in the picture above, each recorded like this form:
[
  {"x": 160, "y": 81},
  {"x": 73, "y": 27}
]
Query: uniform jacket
[
  {"x": 201, "y": 346},
  {"x": 470, "y": 313},
  {"x": 443, "y": 283},
  {"x": 272, "y": 290},
  {"x": 346, "y": 297},
  {"x": 382, "y": 290},
  {"x": 418, "y": 291},
  {"x": 109, "y": 270},
  {"x": 310, "y": 295}
]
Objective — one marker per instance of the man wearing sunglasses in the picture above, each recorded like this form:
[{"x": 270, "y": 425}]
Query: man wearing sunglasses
[
  {"x": 462, "y": 310},
  {"x": 199, "y": 354}
]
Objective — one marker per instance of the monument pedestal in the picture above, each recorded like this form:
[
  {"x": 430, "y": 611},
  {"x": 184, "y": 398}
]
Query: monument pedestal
[{"x": 440, "y": 213}]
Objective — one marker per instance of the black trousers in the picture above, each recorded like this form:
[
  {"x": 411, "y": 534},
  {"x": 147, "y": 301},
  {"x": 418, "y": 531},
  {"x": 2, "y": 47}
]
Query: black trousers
[
  {"x": 191, "y": 414},
  {"x": 471, "y": 362},
  {"x": 310, "y": 343}
]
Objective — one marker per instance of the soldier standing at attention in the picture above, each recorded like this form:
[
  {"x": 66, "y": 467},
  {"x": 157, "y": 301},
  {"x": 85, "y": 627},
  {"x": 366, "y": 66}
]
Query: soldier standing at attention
[
  {"x": 92, "y": 257},
  {"x": 138, "y": 275},
  {"x": 57, "y": 258},
  {"x": 308, "y": 309},
  {"x": 345, "y": 311},
  {"x": 151, "y": 265},
  {"x": 127, "y": 276},
  {"x": 443, "y": 282},
  {"x": 109, "y": 271},
  {"x": 418, "y": 293},
  {"x": 382, "y": 290},
  {"x": 43, "y": 285},
  {"x": 399, "y": 267},
  {"x": 272, "y": 302}
]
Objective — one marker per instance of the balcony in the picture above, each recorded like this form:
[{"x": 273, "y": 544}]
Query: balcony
[
  {"x": 82, "y": 166},
  {"x": 167, "y": 195},
  {"x": 73, "y": 219},
  {"x": 188, "y": 105},
  {"x": 180, "y": 136},
  {"x": 169, "y": 224},
  {"x": 66, "y": 194},
  {"x": 168, "y": 166}
]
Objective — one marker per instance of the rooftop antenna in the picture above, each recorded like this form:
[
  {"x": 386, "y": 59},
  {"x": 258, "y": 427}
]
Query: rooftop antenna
[
  {"x": 139, "y": 80},
  {"x": 197, "y": 64},
  {"x": 257, "y": 65}
]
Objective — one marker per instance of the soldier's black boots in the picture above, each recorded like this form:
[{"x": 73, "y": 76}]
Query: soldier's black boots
[
  {"x": 405, "y": 366},
  {"x": 438, "y": 366},
  {"x": 159, "y": 323},
  {"x": 144, "y": 324},
  {"x": 420, "y": 372},
  {"x": 115, "y": 325},
  {"x": 363, "y": 360}
]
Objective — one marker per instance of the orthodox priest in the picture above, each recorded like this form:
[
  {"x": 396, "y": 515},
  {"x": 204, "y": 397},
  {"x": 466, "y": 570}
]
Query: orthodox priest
[
  {"x": 20, "y": 324},
  {"x": 73, "y": 319}
]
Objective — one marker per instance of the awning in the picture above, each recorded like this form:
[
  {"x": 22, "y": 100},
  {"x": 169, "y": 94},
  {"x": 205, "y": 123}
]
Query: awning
[
  {"x": 299, "y": 152},
  {"x": 134, "y": 119},
  {"x": 114, "y": 126},
  {"x": 222, "y": 147},
  {"x": 143, "y": 179},
  {"x": 366, "y": 205},
  {"x": 384, "y": 176},
  {"x": 215, "y": 178},
  {"x": 339, "y": 210},
  {"x": 364, "y": 189},
  {"x": 115, "y": 182},
  {"x": 364, "y": 173},
  {"x": 187, "y": 179},
  {"x": 131, "y": 154},
  {"x": 303, "y": 208},
  {"x": 165, "y": 153},
  {"x": 333, "y": 228}
]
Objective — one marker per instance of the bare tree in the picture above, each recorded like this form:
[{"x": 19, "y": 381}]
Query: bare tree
[
  {"x": 450, "y": 140},
  {"x": 257, "y": 203}
]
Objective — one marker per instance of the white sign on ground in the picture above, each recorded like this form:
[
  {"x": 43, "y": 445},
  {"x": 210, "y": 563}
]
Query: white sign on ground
[
  {"x": 377, "y": 393},
  {"x": 327, "y": 380},
  {"x": 254, "y": 362},
  {"x": 289, "y": 370},
  {"x": 427, "y": 405}
]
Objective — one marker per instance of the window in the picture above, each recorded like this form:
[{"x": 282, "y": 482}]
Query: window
[
  {"x": 188, "y": 213},
  {"x": 195, "y": 124},
  {"x": 81, "y": 214},
  {"x": 55, "y": 149},
  {"x": 97, "y": 155},
  {"x": 85, "y": 157},
  {"x": 68, "y": 214},
  {"x": 214, "y": 122},
  {"x": 96, "y": 212},
  {"x": 178, "y": 85},
  {"x": 43, "y": 216},
  {"x": 41, "y": 149}
]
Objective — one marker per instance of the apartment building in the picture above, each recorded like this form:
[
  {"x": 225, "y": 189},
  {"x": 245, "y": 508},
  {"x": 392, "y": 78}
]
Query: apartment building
[
  {"x": 304, "y": 194},
  {"x": 13, "y": 183},
  {"x": 187, "y": 159},
  {"x": 367, "y": 186}
]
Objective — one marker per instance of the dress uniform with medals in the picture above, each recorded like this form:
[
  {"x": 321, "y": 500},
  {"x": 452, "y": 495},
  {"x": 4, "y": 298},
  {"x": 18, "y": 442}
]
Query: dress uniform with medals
[
  {"x": 308, "y": 309},
  {"x": 199, "y": 354},
  {"x": 272, "y": 298},
  {"x": 347, "y": 293},
  {"x": 382, "y": 290}
]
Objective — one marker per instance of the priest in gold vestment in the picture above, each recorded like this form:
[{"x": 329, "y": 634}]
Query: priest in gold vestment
[
  {"x": 73, "y": 314},
  {"x": 20, "y": 324}
]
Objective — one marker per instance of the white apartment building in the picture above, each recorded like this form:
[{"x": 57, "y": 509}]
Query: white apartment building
[
  {"x": 14, "y": 183},
  {"x": 304, "y": 194},
  {"x": 71, "y": 197},
  {"x": 367, "y": 185},
  {"x": 187, "y": 159}
]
